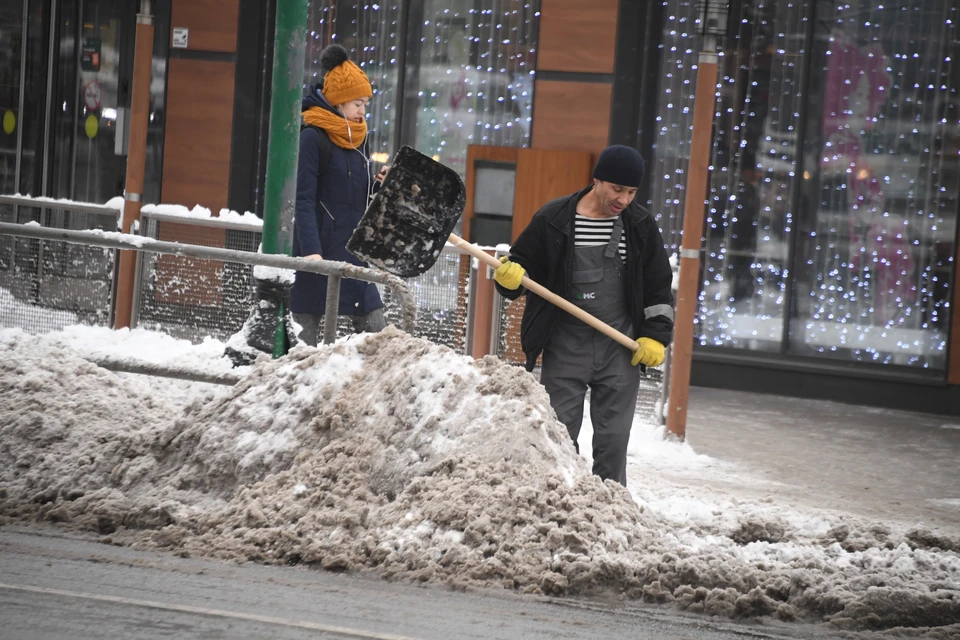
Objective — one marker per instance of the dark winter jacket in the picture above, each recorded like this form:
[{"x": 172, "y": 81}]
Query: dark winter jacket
[
  {"x": 332, "y": 188},
  {"x": 545, "y": 249}
]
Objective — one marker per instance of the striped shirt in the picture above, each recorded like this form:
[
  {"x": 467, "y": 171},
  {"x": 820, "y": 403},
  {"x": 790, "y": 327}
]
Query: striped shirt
[{"x": 595, "y": 232}]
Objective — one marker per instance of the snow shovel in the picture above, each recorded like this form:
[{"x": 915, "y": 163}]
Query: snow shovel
[{"x": 413, "y": 215}]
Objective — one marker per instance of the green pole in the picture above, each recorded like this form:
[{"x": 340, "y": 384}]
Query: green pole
[{"x": 280, "y": 194}]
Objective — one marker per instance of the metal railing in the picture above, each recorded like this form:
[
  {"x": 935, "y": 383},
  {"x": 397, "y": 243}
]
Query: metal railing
[
  {"x": 333, "y": 270},
  {"x": 202, "y": 285},
  {"x": 192, "y": 298},
  {"x": 443, "y": 313}
]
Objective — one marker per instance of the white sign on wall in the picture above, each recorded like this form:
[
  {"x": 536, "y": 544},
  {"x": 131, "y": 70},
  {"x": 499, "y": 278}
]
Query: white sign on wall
[{"x": 180, "y": 36}]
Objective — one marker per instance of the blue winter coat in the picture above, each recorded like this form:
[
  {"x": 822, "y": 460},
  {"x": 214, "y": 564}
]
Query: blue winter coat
[{"x": 329, "y": 207}]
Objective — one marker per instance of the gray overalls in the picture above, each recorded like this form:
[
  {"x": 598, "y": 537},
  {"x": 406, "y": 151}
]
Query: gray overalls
[{"x": 578, "y": 356}]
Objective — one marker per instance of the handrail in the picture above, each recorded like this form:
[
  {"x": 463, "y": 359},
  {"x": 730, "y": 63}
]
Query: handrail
[
  {"x": 164, "y": 370},
  {"x": 32, "y": 202},
  {"x": 124, "y": 241}
]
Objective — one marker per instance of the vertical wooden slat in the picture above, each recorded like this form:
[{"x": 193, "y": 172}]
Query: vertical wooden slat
[
  {"x": 212, "y": 24},
  {"x": 136, "y": 164},
  {"x": 690, "y": 250},
  {"x": 196, "y": 152},
  {"x": 482, "y": 313},
  {"x": 571, "y": 115},
  {"x": 576, "y": 36}
]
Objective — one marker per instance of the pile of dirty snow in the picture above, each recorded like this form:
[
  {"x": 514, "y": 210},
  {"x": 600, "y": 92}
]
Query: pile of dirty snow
[{"x": 389, "y": 452}]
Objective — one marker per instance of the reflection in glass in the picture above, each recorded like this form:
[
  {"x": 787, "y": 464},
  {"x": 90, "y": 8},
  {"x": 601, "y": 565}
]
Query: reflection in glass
[
  {"x": 97, "y": 174},
  {"x": 90, "y": 91},
  {"x": 475, "y": 77},
  {"x": 754, "y": 177},
  {"x": 11, "y": 45},
  {"x": 31, "y": 120},
  {"x": 879, "y": 219},
  {"x": 754, "y": 163},
  {"x": 678, "y": 77},
  {"x": 468, "y": 78},
  {"x": 845, "y": 250}
]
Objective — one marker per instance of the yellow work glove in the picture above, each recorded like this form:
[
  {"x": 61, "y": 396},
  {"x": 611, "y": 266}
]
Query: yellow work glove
[
  {"x": 508, "y": 274},
  {"x": 649, "y": 354}
]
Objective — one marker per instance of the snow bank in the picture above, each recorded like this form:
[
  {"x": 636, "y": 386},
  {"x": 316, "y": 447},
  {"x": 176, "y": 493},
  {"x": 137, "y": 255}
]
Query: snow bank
[{"x": 389, "y": 452}]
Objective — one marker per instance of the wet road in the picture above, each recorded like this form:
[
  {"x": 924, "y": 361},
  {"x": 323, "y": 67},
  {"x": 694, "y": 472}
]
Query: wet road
[{"x": 56, "y": 585}]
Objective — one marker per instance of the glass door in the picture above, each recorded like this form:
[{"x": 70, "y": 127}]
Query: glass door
[
  {"x": 65, "y": 78},
  {"x": 882, "y": 185},
  {"x": 91, "y": 88},
  {"x": 11, "y": 55},
  {"x": 63, "y": 71},
  {"x": 24, "y": 40},
  {"x": 24, "y": 57}
]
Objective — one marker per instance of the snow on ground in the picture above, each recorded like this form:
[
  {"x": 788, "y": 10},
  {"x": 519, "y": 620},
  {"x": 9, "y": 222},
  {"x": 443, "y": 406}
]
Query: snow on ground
[
  {"x": 392, "y": 453},
  {"x": 136, "y": 346}
]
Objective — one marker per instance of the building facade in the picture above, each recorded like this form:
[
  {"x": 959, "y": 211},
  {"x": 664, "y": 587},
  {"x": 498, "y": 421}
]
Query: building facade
[{"x": 830, "y": 266}]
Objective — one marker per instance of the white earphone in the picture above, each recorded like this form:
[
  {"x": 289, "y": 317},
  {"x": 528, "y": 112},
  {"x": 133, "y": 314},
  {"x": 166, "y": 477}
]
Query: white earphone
[{"x": 357, "y": 149}]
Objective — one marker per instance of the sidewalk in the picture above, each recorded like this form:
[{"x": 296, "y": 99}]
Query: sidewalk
[{"x": 878, "y": 464}]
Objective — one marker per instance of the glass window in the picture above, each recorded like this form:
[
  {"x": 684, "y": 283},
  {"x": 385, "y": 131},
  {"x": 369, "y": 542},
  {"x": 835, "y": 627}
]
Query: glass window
[
  {"x": 31, "y": 120},
  {"x": 64, "y": 140},
  {"x": 832, "y": 198},
  {"x": 88, "y": 114},
  {"x": 878, "y": 223},
  {"x": 23, "y": 72},
  {"x": 674, "y": 120},
  {"x": 474, "y": 83},
  {"x": 754, "y": 180},
  {"x": 458, "y": 72},
  {"x": 11, "y": 56}
]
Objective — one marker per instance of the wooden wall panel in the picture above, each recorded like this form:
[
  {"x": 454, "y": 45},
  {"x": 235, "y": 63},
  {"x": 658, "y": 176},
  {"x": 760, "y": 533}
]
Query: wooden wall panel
[
  {"x": 196, "y": 152},
  {"x": 564, "y": 119},
  {"x": 577, "y": 36},
  {"x": 953, "y": 358},
  {"x": 212, "y": 23},
  {"x": 543, "y": 175}
]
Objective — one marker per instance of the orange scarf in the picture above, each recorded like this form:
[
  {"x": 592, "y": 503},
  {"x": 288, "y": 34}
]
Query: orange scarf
[{"x": 344, "y": 134}]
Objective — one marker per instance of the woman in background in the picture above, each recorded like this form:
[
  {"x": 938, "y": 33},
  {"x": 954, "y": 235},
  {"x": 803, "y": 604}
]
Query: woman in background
[{"x": 333, "y": 188}]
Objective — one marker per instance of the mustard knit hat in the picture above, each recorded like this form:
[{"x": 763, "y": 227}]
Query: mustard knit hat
[{"x": 344, "y": 81}]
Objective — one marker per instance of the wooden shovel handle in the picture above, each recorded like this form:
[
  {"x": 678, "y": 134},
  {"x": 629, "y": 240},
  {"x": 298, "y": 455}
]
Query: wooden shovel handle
[{"x": 548, "y": 295}]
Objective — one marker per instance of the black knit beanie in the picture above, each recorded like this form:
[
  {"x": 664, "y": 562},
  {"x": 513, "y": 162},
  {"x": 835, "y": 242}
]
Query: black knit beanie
[{"x": 621, "y": 165}]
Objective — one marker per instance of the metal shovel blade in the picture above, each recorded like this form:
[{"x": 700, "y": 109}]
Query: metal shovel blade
[{"x": 410, "y": 218}]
